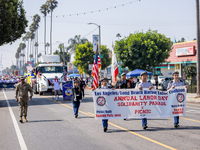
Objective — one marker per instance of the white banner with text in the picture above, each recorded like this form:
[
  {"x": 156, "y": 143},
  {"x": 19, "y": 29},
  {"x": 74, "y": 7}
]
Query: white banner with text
[{"x": 133, "y": 103}]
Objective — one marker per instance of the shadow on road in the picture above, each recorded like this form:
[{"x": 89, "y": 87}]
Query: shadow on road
[
  {"x": 150, "y": 129},
  {"x": 43, "y": 121}
]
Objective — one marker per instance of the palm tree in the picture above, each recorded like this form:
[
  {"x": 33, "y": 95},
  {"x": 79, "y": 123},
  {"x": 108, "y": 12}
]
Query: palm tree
[
  {"x": 75, "y": 41},
  {"x": 26, "y": 38},
  {"x": 47, "y": 45},
  {"x": 32, "y": 37},
  {"x": 36, "y": 52},
  {"x": 44, "y": 9},
  {"x": 52, "y": 6},
  {"x": 118, "y": 35}
]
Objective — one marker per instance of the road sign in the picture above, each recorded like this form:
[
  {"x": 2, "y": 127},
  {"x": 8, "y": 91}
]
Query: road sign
[
  {"x": 101, "y": 56},
  {"x": 90, "y": 66}
]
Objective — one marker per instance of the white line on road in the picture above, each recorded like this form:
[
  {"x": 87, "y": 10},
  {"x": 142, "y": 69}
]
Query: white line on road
[{"x": 17, "y": 129}]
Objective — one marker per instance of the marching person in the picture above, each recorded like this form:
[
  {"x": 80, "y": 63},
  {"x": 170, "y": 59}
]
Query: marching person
[
  {"x": 104, "y": 86},
  {"x": 123, "y": 83},
  {"x": 132, "y": 82},
  {"x": 21, "y": 96},
  {"x": 144, "y": 84},
  {"x": 76, "y": 97},
  {"x": 171, "y": 85},
  {"x": 82, "y": 86},
  {"x": 56, "y": 86}
]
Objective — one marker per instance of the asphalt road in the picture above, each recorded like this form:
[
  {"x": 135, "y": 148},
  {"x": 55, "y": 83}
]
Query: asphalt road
[{"x": 52, "y": 126}]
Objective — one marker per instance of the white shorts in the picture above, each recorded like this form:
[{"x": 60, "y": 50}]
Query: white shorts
[{"x": 57, "y": 92}]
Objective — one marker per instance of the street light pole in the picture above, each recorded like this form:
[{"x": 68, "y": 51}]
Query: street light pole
[
  {"x": 99, "y": 36},
  {"x": 99, "y": 41},
  {"x": 198, "y": 49},
  {"x": 63, "y": 55}
]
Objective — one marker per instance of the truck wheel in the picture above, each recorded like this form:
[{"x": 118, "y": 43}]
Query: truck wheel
[
  {"x": 40, "y": 93},
  {"x": 35, "y": 89}
]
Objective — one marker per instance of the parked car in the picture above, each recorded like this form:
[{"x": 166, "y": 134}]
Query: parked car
[
  {"x": 160, "y": 79},
  {"x": 164, "y": 84}
]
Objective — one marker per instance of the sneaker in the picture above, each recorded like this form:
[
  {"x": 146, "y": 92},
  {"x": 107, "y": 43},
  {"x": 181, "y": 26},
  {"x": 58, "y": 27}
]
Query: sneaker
[
  {"x": 176, "y": 125},
  {"x": 105, "y": 129},
  {"x": 145, "y": 127},
  {"x": 76, "y": 115}
]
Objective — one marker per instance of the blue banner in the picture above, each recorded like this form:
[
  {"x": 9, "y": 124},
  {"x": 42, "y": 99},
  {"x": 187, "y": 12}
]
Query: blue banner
[{"x": 67, "y": 90}]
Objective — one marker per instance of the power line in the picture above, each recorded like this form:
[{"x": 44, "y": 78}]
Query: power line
[
  {"x": 94, "y": 11},
  {"x": 90, "y": 32}
]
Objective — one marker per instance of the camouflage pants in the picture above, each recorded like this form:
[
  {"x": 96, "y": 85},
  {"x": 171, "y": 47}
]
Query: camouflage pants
[{"x": 23, "y": 107}]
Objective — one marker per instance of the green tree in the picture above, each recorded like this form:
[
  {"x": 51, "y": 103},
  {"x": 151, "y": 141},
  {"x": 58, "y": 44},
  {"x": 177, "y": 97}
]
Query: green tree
[
  {"x": 143, "y": 50},
  {"x": 60, "y": 53},
  {"x": 190, "y": 71},
  {"x": 12, "y": 21},
  {"x": 84, "y": 56},
  {"x": 74, "y": 42},
  {"x": 118, "y": 35}
]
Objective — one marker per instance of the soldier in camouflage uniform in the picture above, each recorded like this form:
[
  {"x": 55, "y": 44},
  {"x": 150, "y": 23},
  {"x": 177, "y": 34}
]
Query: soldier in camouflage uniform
[
  {"x": 21, "y": 96},
  {"x": 123, "y": 83}
]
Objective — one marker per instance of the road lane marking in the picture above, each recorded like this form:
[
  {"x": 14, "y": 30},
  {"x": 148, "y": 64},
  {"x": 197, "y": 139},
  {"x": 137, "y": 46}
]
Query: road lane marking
[
  {"x": 190, "y": 119},
  {"x": 134, "y": 133},
  {"x": 17, "y": 129}
]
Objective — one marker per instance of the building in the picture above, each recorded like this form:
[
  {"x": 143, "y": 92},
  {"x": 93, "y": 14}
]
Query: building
[{"x": 182, "y": 54}]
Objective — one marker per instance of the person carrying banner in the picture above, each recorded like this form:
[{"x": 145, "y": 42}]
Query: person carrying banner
[
  {"x": 171, "y": 85},
  {"x": 144, "y": 84},
  {"x": 76, "y": 97},
  {"x": 104, "y": 86},
  {"x": 21, "y": 96}
]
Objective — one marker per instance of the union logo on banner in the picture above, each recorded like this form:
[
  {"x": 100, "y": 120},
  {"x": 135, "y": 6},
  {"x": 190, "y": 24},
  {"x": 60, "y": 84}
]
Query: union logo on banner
[
  {"x": 180, "y": 97},
  {"x": 101, "y": 101}
]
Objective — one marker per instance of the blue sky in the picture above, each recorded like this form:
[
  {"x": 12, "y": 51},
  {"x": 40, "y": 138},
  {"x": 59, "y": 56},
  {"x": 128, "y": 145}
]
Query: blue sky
[{"x": 174, "y": 18}]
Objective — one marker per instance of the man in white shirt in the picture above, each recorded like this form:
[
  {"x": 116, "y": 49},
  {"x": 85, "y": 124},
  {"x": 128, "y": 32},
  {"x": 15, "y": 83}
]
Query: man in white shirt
[{"x": 56, "y": 84}]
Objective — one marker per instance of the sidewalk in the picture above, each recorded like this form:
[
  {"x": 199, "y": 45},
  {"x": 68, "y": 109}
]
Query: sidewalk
[{"x": 191, "y": 98}]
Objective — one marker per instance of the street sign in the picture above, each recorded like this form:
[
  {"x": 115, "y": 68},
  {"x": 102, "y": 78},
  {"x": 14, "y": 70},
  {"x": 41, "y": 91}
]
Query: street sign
[
  {"x": 101, "y": 56},
  {"x": 90, "y": 67}
]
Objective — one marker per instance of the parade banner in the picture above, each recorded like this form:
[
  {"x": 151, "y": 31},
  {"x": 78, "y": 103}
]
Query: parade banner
[
  {"x": 67, "y": 91},
  {"x": 95, "y": 42},
  {"x": 133, "y": 103}
]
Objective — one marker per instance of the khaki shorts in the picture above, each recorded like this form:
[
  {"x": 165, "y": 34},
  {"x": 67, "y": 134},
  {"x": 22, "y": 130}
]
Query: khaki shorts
[{"x": 57, "y": 92}]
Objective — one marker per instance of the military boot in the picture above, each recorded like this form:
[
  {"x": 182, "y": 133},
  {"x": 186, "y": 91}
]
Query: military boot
[
  {"x": 25, "y": 120},
  {"x": 20, "y": 120}
]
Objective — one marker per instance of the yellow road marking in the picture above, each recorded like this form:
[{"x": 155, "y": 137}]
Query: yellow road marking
[
  {"x": 189, "y": 119},
  {"x": 92, "y": 115}
]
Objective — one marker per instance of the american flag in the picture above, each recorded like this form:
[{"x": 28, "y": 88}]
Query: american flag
[
  {"x": 95, "y": 71},
  {"x": 99, "y": 62}
]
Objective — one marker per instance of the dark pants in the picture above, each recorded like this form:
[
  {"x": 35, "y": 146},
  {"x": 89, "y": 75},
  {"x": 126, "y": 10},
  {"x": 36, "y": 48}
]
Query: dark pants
[
  {"x": 76, "y": 107},
  {"x": 105, "y": 123},
  {"x": 176, "y": 119},
  {"x": 144, "y": 121},
  {"x": 82, "y": 90}
]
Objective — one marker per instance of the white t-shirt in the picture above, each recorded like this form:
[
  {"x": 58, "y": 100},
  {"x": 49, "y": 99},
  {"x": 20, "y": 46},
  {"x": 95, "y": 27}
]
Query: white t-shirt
[{"x": 56, "y": 84}]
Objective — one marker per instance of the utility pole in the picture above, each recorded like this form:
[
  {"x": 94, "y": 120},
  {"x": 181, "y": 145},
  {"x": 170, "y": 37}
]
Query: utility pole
[{"x": 198, "y": 49}]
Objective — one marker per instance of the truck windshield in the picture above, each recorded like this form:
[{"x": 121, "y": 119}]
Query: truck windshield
[{"x": 51, "y": 69}]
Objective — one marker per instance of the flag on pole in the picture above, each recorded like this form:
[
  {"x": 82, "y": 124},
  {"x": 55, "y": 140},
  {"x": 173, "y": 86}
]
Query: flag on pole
[
  {"x": 115, "y": 68},
  {"x": 99, "y": 62},
  {"x": 95, "y": 72}
]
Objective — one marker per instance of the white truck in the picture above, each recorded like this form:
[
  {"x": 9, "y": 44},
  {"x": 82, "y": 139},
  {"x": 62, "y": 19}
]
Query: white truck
[{"x": 46, "y": 72}]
